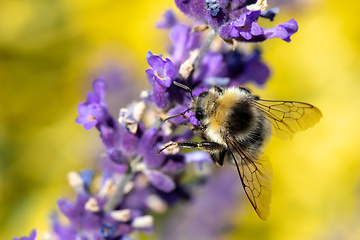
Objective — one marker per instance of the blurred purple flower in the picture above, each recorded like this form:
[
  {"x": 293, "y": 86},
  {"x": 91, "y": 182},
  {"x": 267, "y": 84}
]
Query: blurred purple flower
[
  {"x": 160, "y": 95},
  {"x": 184, "y": 40},
  {"x": 135, "y": 179},
  {"x": 177, "y": 110},
  {"x": 93, "y": 110},
  {"x": 212, "y": 202},
  {"x": 198, "y": 157},
  {"x": 212, "y": 65},
  {"x": 160, "y": 180},
  {"x": 32, "y": 236},
  {"x": 168, "y": 21},
  {"x": 253, "y": 70}
]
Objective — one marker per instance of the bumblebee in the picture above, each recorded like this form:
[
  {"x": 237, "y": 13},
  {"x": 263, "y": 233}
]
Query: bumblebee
[{"x": 237, "y": 124}]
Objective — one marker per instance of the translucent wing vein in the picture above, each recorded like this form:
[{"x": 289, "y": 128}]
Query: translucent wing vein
[
  {"x": 255, "y": 174},
  {"x": 288, "y": 117}
]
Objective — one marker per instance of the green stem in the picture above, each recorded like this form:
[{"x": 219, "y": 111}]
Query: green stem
[
  {"x": 203, "y": 50},
  {"x": 118, "y": 194}
]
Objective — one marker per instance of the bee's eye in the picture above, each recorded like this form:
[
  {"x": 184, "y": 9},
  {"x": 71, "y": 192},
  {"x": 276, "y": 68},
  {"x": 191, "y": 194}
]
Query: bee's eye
[{"x": 199, "y": 114}]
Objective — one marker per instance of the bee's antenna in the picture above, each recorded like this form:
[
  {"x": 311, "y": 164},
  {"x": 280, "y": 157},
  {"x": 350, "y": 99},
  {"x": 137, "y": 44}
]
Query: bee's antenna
[
  {"x": 180, "y": 114},
  {"x": 184, "y": 87}
]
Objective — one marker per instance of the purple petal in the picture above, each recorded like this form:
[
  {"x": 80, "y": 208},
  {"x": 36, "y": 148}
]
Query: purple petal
[
  {"x": 198, "y": 157},
  {"x": 176, "y": 110},
  {"x": 193, "y": 120},
  {"x": 92, "y": 98},
  {"x": 87, "y": 125},
  {"x": 155, "y": 62},
  {"x": 215, "y": 200},
  {"x": 116, "y": 155},
  {"x": 234, "y": 32},
  {"x": 109, "y": 167},
  {"x": 179, "y": 35},
  {"x": 255, "y": 29},
  {"x": 256, "y": 71},
  {"x": 241, "y": 21},
  {"x": 148, "y": 140},
  {"x": 165, "y": 81},
  {"x": 154, "y": 160},
  {"x": 199, "y": 90},
  {"x": 283, "y": 31},
  {"x": 109, "y": 135},
  {"x": 71, "y": 211},
  {"x": 252, "y": 16},
  {"x": 212, "y": 65},
  {"x": 91, "y": 221},
  {"x": 160, "y": 96},
  {"x": 169, "y": 68},
  {"x": 123, "y": 229},
  {"x": 150, "y": 72},
  {"x": 160, "y": 180},
  {"x": 128, "y": 142},
  {"x": 174, "y": 164},
  {"x": 136, "y": 199},
  {"x": 99, "y": 88},
  {"x": 63, "y": 232},
  {"x": 246, "y": 35}
]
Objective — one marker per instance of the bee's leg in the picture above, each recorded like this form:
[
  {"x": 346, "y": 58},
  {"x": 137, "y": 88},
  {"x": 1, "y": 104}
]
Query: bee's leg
[
  {"x": 218, "y": 157},
  {"x": 205, "y": 146},
  {"x": 217, "y": 151}
]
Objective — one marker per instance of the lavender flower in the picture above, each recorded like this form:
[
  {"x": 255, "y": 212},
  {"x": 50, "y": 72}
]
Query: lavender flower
[
  {"x": 136, "y": 181},
  {"x": 93, "y": 110},
  {"x": 236, "y": 20},
  {"x": 245, "y": 26},
  {"x": 162, "y": 71},
  {"x": 168, "y": 21},
  {"x": 32, "y": 236}
]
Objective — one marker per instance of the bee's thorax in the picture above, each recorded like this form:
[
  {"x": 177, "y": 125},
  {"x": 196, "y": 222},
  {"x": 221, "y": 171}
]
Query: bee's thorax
[{"x": 230, "y": 112}]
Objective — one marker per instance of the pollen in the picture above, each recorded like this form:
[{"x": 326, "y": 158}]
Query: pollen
[
  {"x": 91, "y": 118},
  {"x": 161, "y": 78}
]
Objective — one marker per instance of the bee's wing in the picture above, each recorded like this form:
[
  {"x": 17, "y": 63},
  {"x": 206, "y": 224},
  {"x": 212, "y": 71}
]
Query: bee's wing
[
  {"x": 288, "y": 117},
  {"x": 255, "y": 172}
]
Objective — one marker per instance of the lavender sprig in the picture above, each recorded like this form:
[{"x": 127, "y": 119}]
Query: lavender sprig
[{"x": 136, "y": 181}]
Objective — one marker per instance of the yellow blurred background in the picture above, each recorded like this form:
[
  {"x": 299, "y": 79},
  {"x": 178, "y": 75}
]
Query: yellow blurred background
[{"x": 50, "y": 51}]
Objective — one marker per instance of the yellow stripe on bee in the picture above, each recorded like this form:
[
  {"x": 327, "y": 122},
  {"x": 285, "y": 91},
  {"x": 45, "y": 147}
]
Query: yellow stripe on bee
[{"x": 224, "y": 105}]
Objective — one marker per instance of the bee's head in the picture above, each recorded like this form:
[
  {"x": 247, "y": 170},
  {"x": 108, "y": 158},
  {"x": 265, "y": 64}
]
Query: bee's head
[{"x": 203, "y": 105}]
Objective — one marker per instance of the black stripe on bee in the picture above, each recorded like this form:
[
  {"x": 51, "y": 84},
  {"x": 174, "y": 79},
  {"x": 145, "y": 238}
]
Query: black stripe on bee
[{"x": 241, "y": 118}]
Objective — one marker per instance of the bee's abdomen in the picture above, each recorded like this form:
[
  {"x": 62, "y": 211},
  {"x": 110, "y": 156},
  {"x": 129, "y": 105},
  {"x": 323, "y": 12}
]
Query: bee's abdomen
[{"x": 256, "y": 136}]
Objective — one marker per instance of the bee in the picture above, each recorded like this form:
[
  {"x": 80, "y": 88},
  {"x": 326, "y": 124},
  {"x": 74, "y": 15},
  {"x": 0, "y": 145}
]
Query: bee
[{"x": 236, "y": 124}]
